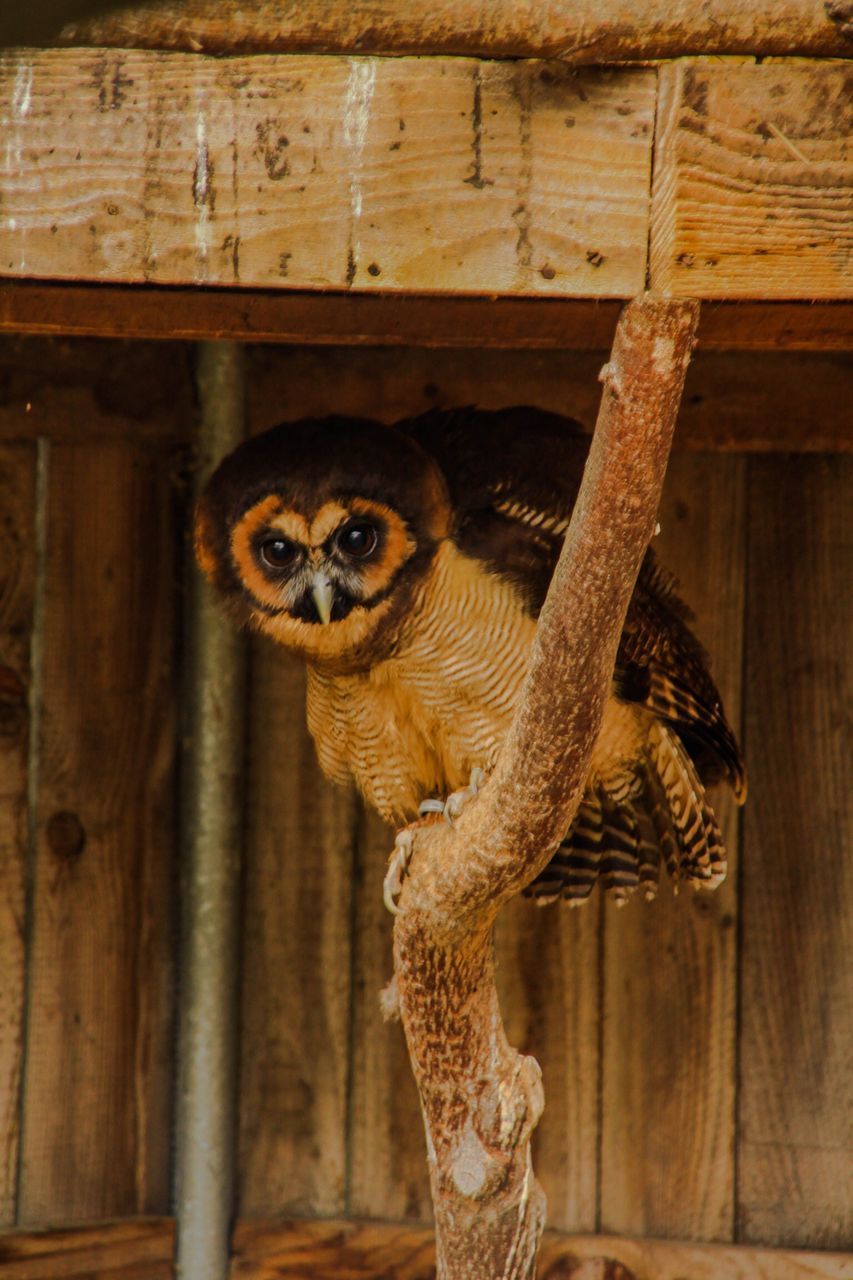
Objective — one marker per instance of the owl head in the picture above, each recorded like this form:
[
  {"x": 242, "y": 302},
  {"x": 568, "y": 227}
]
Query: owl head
[{"x": 317, "y": 533}]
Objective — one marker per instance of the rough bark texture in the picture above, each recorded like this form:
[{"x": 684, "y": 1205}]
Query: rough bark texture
[
  {"x": 584, "y": 31},
  {"x": 480, "y": 1098}
]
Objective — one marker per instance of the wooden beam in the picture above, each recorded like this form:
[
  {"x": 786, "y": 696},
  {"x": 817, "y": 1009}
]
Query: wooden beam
[
  {"x": 753, "y": 182},
  {"x": 733, "y": 401},
  {"x": 433, "y": 175},
  {"x": 581, "y": 31},
  {"x": 369, "y": 1251},
  {"x": 444, "y": 175},
  {"x": 552, "y": 324},
  {"x": 138, "y": 1249},
  {"x": 141, "y": 1249}
]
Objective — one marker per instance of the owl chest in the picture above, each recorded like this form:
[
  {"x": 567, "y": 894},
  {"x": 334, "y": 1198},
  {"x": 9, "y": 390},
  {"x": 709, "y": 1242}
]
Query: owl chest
[{"x": 417, "y": 724}]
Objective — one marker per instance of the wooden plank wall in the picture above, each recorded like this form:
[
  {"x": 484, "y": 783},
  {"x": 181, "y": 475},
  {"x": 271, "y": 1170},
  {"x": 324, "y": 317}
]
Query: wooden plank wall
[
  {"x": 693, "y": 1051},
  {"x": 89, "y": 570}
]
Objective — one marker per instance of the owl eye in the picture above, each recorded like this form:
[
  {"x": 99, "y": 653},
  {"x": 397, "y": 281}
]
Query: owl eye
[
  {"x": 278, "y": 553},
  {"x": 358, "y": 538}
]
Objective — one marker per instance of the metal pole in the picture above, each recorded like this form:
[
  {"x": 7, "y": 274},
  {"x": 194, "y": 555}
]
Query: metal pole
[{"x": 212, "y": 810}]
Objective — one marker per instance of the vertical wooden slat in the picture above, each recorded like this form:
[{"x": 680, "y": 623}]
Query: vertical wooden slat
[
  {"x": 97, "y": 1084},
  {"x": 794, "y": 1161},
  {"x": 297, "y": 958},
  {"x": 670, "y": 966},
  {"x": 548, "y": 983},
  {"x": 17, "y": 593},
  {"x": 388, "y": 1168}
]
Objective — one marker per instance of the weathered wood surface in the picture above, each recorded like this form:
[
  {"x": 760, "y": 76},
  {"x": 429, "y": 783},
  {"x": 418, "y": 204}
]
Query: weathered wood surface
[
  {"x": 115, "y": 311},
  {"x": 548, "y": 974},
  {"x": 388, "y": 1165},
  {"x": 581, "y": 31},
  {"x": 416, "y": 174},
  {"x": 297, "y": 958},
  {"x": 376, "y": 1251},
  {"x": 97, "y": 1081},
  {"x": 17, "y": 599},
  {"x": 753, "y": 181},
  {"x": 795, "y": 1145},
  {"x": 84, "y": 389},
  {"x": 138, "y": 1249},
  {"x": 739, "y": 401},
  {"x": 670, "y": 968}
]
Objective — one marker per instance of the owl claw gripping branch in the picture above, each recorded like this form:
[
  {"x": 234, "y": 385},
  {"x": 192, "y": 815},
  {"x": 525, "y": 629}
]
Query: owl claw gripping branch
[{"x": 407, "y": 567}]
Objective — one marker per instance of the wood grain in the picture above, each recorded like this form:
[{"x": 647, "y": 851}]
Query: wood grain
[
  {"x": 245, "y": 315},
  {"x": 376, "y": 1251},
  {"x": 668, "y": 1101},
  {"x": 297, "y": 960},
  {"x": 753, "y": 182},
  {"x": 84, "y": 389},
  {"x": 98, "y": 1073},
  {"x": 416, "y": 174},
  {"x": 138, "y": 1249},
  {"x": 547, "y": 969},
  {"x": 78, "y": 389},
  {"x": 732, "y": 401},
  {"x": 388, "y": 1164},
  {"x": 579, "y": 32},
  {"x": 17, "y": 600},
  {"x": 794, "y": 1147}
]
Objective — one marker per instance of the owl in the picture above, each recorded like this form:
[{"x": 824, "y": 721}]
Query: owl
[{"x": 407, "y": 566}]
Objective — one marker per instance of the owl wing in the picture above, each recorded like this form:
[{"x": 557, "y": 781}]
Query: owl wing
[{"x": 513, "y": 478}]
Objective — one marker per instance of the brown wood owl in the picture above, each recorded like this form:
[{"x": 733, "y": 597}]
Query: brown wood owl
[{"x": 407, "y": 566}]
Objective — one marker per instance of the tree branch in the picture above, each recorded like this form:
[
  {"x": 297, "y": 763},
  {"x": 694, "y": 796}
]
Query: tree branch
[{"x": 480, "y": 1098}]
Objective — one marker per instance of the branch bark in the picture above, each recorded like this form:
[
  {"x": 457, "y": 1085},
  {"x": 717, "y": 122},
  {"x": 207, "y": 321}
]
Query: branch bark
[
  {"x": 584, "y": 31},
  {"x": 481, "y": 1099}
]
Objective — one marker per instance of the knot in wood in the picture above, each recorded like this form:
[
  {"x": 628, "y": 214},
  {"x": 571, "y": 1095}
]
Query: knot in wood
[
  {"x": 66, "y": 836},
  {"x": 476, "y": 1173}
]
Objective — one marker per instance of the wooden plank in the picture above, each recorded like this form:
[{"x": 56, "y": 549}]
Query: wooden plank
[
  {"x": 98, "y": 1074},
  {"x": 668, "y": 1098},
  {"x": 795, "y": 1142},
  {"x": 388, "y": 1166},
  {"x": 64, "y": 390},
  {"x": 548, "y": 985},
  {"x": 140, "y": 1249},
  {"x": 297, "y": 961},
  {"x": 417, "y": 174},
  {"x": 374, "y": 1251},
  {"x": 116, "y": 311},
  {"x": 84, "y": 389},
  {"x": 732, "y": 401},
  {"x": 17, "y": 600},
  {"x": 581, "y": 32},
  {"x": 753, "y": 182}
]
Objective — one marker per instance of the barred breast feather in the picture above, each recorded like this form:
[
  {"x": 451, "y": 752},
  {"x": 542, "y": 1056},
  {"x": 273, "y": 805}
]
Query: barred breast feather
[{"x": 513, "y": 478}]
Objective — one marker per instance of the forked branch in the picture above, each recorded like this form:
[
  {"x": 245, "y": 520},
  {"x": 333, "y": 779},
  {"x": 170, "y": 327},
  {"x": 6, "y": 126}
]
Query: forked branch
[{"x": 480, "y": 1098}]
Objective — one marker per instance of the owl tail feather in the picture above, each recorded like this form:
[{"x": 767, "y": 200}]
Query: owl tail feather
[{"x": 661, "y": 813}]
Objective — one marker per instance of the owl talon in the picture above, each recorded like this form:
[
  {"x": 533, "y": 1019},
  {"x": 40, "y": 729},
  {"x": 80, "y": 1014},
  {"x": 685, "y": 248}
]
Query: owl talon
[
  {"x": 428, "y": 807},
  {"x": 398, "y": 867},
  {"x": 457, "y": 800}
]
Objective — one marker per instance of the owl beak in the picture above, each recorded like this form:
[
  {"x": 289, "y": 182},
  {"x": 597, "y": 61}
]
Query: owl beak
[{"x": 324, "y": 594}]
